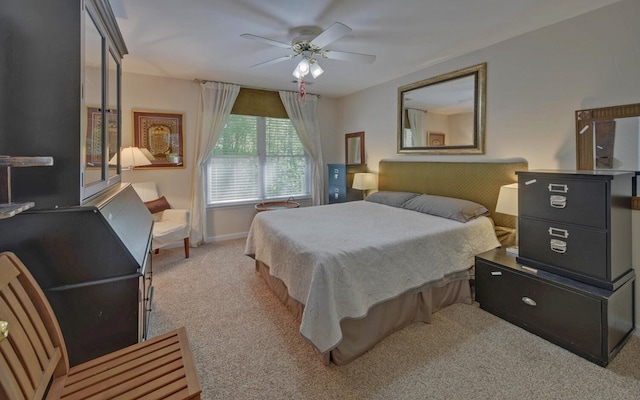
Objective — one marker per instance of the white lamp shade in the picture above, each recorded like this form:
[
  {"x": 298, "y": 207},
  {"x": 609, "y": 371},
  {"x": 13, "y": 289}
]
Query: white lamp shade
[
  {"x": 364, "y": 181},
  {"x": 508, "y": 200},
  {"x": 130, "y": 157}
]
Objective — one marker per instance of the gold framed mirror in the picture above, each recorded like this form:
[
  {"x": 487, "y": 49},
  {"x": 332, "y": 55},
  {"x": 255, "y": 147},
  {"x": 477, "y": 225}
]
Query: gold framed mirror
[
  {"x": 354, "y": 148},
  {"x": 444, "y": 114}
]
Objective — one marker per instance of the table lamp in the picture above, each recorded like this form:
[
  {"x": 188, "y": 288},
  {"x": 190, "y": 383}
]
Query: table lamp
[
  {"x": 508, "y": 204},
  {"x": 364, "y": 181}
]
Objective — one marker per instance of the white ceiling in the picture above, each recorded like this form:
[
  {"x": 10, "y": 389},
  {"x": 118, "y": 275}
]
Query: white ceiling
[{"x": 200, "y": 39}]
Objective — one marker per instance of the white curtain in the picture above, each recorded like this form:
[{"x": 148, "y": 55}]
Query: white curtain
[
  {"x": 415, "y": 120},
  {"x": 304, "y": 118},
  {"x": 214, "y": 106}
]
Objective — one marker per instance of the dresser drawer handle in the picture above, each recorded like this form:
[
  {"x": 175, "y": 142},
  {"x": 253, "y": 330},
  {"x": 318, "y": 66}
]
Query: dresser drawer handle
[
  {"x": 558, "y": 188},
  {"x": 563, "y": 233},
  {"x": 529, "y": 301},
  {"x": 559, "y": 246},
  {"x": 557, "y": 201}
]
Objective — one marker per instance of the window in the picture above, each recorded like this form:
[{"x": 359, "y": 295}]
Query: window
[{"x": 256, "y": 159}]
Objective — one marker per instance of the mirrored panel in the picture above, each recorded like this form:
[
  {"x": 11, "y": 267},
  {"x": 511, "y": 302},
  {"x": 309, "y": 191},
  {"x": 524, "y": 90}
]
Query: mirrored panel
[
  {"x": 354, "y": 148},
  {"x": 608, "y": 138},
  {"x": 93, "y": 89},
  {"x": 444, "y": 114},
  {"x": 112, "y": 112}
]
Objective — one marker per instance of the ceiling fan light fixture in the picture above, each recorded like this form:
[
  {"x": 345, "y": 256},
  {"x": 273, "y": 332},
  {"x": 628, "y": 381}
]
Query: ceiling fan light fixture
[
  {"x": 297, "y": 74},
  {"x": 315, "y": 69},
  {"x": 303, "y": 66}
]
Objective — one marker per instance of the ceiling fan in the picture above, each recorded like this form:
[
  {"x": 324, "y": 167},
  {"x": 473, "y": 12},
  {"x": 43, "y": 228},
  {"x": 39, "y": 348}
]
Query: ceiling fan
[{"x": 310, "y": 45}]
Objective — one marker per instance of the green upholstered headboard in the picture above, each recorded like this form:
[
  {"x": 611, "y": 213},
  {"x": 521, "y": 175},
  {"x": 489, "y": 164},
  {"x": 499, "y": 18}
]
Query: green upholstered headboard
[{"x": 475, "y": 181}]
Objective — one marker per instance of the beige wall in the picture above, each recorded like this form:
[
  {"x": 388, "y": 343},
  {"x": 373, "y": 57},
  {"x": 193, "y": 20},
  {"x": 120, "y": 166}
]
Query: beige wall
[{"x": 151, "y": 93}]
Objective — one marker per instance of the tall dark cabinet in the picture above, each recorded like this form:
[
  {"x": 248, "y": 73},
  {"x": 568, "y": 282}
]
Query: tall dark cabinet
[
  {"x": 60, "y": 68},
  {"x": 87, "y": 239}
]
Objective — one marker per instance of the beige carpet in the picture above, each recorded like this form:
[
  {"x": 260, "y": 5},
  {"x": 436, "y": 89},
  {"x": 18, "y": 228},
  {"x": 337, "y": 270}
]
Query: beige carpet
[{"x": 246, "y": 346}]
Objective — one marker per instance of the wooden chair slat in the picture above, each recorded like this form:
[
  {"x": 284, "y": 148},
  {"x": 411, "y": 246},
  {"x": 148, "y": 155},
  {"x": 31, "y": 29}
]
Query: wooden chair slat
[
  {"x": 28, "y": 319},
  {"x": 189, "y": 364},
  {"x": 45, "y": 346},
  {"x": 37, "y": 306},
  {"x": 123, "y": 355},
  {"x": 129, "y": 388},
  {"x": 17, "y": 350},
  {"x": 9, "y": 386},
  {"x": 121, "y": 373},
  {"x": 177, "y": 389}
]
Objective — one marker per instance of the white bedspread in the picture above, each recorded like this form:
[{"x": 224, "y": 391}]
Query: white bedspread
[{"x": 342, "y": 259}]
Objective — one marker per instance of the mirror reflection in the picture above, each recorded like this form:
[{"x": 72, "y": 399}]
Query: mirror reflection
[
  {"x": 444, "y": 114},
  {"x": 94, "y": 140},
  {"x": 354, "y": 148},
  {"x": 608, "y": 138},
  {"x": 112, "y": 112}
]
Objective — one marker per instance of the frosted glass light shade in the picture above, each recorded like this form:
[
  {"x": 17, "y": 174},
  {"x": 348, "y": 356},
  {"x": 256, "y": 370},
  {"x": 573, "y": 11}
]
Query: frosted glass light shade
[{"x": 316, "y": 70}]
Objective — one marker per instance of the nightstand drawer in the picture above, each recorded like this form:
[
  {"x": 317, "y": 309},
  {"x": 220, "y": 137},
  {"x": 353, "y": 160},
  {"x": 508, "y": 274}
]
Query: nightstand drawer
[
  {"x": 571, "y": 247},
  {"x": 337, "y": 194},
  {"x": 337, "y": 174},
  {"x": 553, "y": 312},
  {"x": 562, "y": 199},
  {"x": 590, "y": 321}
]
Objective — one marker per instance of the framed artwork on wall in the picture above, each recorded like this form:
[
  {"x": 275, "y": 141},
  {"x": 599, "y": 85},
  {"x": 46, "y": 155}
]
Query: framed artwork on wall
[
  {"x": 436, "y": 139},
  {"x": 94, "y": 140},
  {"x": 161, "y": 134}
]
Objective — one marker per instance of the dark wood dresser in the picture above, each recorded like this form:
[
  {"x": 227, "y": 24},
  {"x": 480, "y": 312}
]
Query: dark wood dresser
[
  {"x": 576, "y": 224},
  {"x": 572, "y": 282}
]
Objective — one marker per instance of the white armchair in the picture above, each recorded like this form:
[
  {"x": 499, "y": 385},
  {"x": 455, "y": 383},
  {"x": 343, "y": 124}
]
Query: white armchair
[{"x": 170, "y": 225}]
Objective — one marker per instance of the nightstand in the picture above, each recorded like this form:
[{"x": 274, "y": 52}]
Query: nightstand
[{"x": 589, "y": 321}]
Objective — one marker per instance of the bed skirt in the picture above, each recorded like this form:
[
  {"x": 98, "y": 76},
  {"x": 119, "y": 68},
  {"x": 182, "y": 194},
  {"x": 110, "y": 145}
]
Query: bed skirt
[{"x": 360, "y": 335}]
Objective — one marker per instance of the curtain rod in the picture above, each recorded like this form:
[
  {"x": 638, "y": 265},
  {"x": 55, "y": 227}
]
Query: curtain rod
[{"x": 197, "y": 80}]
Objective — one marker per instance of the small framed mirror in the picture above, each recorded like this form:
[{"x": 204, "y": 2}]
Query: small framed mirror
[
  {"x": 444, "y": 114},
  {"x": 354, "y": 148},
  {"x": 608, "y": 138}
]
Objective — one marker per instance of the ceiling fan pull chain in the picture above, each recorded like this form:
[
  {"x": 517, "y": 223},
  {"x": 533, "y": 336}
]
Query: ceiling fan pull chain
[{"x": 302, "y": 92}]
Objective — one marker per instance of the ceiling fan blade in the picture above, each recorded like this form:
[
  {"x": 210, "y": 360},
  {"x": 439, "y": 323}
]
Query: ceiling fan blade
[
  {"x": 346, "y": 56},
  {"x": 274, "y": 61},
  {"x": 265, "y": 40},
  {"x": 331, "y": 34}
]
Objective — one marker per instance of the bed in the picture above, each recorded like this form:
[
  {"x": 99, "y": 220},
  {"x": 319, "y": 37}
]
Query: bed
[{"x": 353, "y": 273}]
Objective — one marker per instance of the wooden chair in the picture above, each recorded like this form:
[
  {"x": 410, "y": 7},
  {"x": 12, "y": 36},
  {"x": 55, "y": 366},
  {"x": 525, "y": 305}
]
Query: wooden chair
[{"x": 34, "y": 363}]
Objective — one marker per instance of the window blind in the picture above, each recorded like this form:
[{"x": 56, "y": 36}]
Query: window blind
[{"x": 256, "y": 159}]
